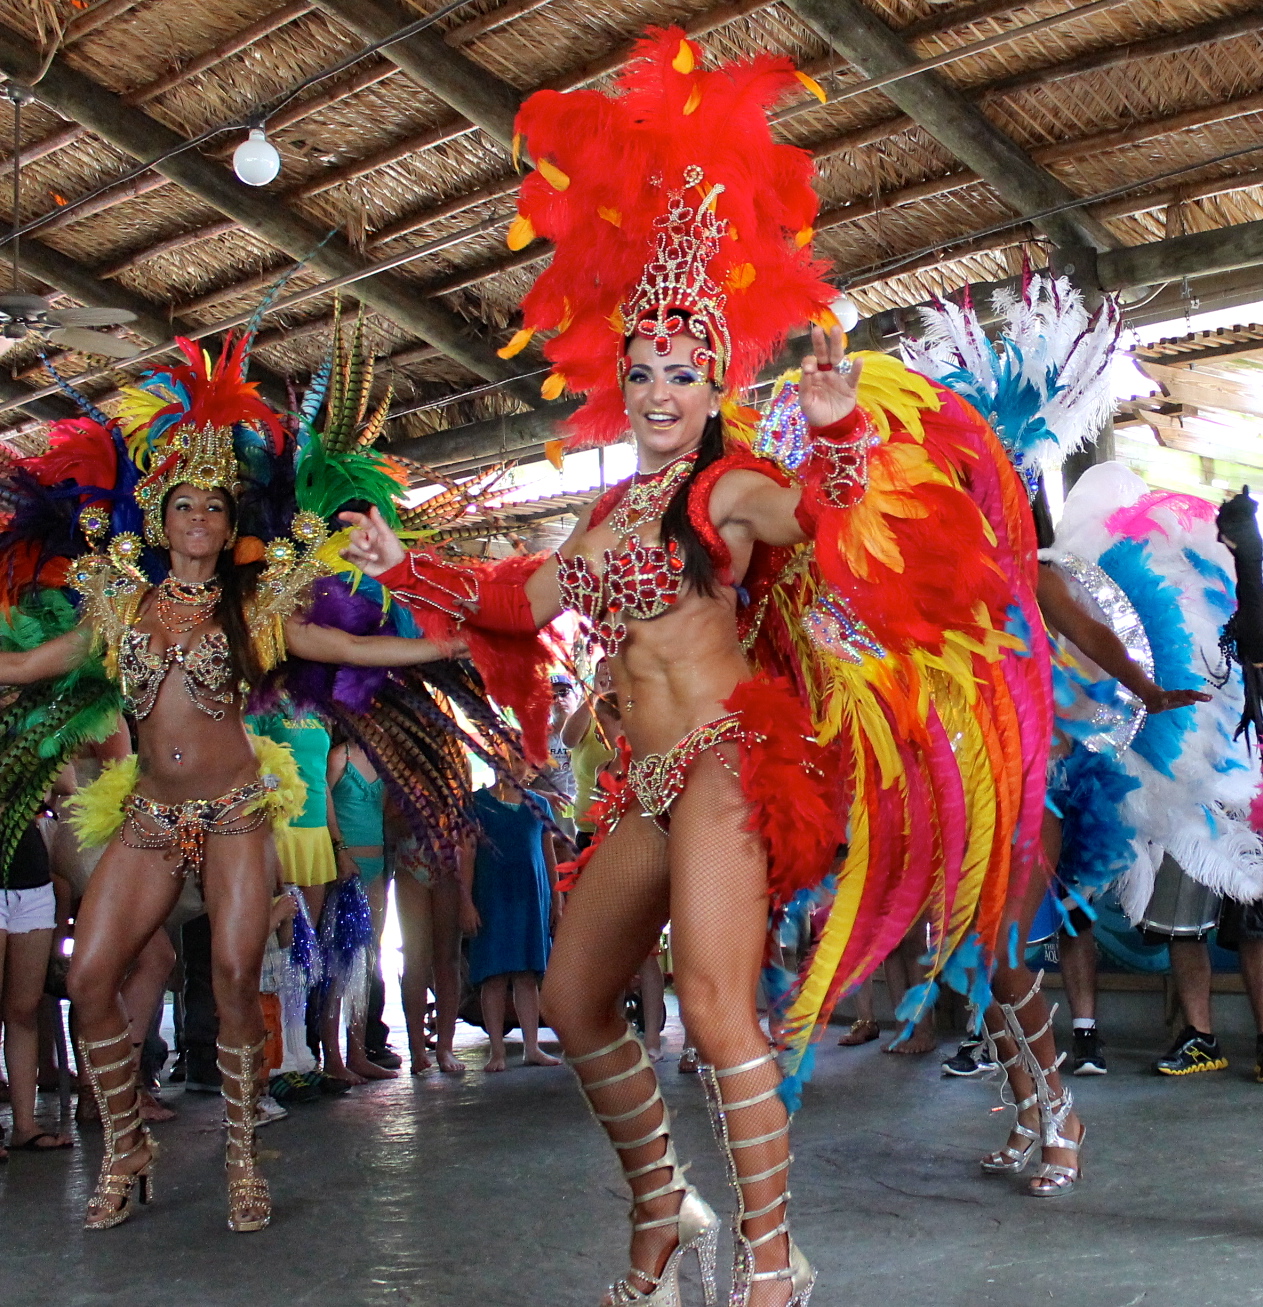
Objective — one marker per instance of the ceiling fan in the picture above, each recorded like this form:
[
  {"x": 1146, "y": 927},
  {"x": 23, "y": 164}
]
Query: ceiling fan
[{"x": 22, "y": 315}]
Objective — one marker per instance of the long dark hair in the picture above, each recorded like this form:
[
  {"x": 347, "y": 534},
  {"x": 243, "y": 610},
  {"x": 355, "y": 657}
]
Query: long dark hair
[
  {"x": 236, "y": 588},
  {"x": 699, "y": 571}
]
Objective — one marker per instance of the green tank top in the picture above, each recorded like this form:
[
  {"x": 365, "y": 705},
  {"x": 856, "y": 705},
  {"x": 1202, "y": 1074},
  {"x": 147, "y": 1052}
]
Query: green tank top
[{"x": 310, "y": 743}]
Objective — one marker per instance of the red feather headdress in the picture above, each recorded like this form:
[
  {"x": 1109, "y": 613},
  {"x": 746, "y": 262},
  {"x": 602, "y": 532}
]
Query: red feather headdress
[{"x": 667, "y": 199}]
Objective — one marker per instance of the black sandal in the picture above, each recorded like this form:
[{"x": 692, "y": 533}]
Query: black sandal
[{"x": 32, "y": 1145}]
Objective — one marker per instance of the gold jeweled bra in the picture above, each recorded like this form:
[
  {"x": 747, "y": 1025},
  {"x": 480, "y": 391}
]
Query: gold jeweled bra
[{"x": 207, "y": 671}]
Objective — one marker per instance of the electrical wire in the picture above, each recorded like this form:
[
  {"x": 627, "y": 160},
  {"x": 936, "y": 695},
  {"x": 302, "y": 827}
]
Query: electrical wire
[
  {"x": 256, "y": 118},
  {"x": 875, "y": 271}
]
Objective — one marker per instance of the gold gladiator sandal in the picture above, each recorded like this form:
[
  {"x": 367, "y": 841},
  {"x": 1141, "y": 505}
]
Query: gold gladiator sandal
[
  {"x": 798, "y": 1271},
  {"x": 249, "y": 1192},
  {"x": 115, "y": 1127},
  {"x": 697, "y": 1225}
]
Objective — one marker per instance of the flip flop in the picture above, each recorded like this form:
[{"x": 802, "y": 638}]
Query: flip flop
[{"x": 32, "y": 1145}]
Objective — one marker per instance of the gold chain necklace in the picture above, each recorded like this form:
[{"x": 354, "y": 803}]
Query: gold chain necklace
[
  {"x": 649, "y": 494},
  {"x": 197, "y": 599}
]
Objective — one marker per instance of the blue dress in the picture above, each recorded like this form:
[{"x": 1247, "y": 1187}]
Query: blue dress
[{"x": 511, "y": 891}]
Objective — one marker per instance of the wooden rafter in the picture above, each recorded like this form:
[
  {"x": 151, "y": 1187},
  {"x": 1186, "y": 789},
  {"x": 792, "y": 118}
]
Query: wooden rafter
[
  {"x": 1208, "y": 33},
  {"x": 76, "y": 96},
  {"x": 429, "y": 61},
  {"x": 856, "y": 32}
]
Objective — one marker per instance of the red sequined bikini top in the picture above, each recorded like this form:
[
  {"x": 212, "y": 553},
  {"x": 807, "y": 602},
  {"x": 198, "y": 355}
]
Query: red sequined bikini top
[{"x": 641, "y": 582}]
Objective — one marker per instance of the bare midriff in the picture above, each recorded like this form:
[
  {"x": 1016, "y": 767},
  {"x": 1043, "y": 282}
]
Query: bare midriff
[
  {"x": 673, "y": 673},
  {"x": 183, "y": 753}
]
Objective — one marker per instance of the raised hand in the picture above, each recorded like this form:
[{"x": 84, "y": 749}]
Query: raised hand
[
  {"x": 1166, "y": 700},
  {"x": 374, "y": 548},
  {"x": 826, "y": 392}
]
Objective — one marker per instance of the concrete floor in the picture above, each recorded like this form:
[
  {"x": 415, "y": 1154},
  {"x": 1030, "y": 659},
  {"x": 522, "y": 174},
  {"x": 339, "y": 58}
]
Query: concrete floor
[{"x": 498, "y": 1191}]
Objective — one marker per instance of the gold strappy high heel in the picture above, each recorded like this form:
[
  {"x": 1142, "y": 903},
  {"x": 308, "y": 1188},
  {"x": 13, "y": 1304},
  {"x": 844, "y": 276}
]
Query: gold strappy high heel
[
  {"x": 111, "y": 1186},
  {"x": 249, "y": 1191},
  {"x": 697, "y": 1225},
  {"x": 798, "y": 1271}
]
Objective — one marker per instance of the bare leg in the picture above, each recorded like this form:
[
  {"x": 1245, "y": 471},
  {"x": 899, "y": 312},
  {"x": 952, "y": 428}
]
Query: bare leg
[
  {"x": 357, "y": 1058},
  {"x": 237, "y": 887},
  {"x": 1251, "y": 954},
  {"x": 493, "y": 993},
  {"x": 416, "y": 926},
  {"x": 445, "y": 901},
  {"x": 653, "y": 998},
  {"x": 1078, "y": 971},
  {"x": 864, "y": 1028},
  {"x": 314, "y": 897},
  {"x": 526, "y": 1003},
  {"x": 904, "y": 971},
  {"x": 1015, "y": 987},
  {"x": 142, "y": 995},
  {"x": 1190, "y": 968},
  {"x": 24, "y": 963},
  {"x": 130, "y": 895}
]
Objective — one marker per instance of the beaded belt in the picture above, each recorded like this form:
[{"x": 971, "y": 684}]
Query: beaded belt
[
  {"x": 657, "y": 779},
  {"x": 185, "y": 826}
]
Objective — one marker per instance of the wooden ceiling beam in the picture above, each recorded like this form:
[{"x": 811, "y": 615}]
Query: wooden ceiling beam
[
  {"x": 1137, "y": 133},
  {"x": 76, "y": 96},
  {"x": 855, "y": 31},
  {"x": 433, "y": 64},
  {"x": 202, "y": 63}
]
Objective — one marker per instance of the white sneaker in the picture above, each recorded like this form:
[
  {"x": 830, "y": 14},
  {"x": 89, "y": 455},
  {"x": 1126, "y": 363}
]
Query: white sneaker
[{"x": 267, "y": 1110}]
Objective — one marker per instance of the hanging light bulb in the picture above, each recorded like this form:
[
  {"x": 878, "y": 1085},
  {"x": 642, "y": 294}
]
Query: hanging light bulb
[
  {"x": 846, "y": 312},
  {"x": 256, "y": 161}
]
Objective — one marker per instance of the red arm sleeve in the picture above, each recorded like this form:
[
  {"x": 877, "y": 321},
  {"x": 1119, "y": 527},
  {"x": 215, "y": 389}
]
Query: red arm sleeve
[{"x": 485, "y": 605}]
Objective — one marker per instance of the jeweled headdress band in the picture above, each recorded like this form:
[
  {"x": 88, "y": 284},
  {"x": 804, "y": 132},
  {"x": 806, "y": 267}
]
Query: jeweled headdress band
[
  {"x": 204, "y": 457},
  {"x": 676, "y": 294}
]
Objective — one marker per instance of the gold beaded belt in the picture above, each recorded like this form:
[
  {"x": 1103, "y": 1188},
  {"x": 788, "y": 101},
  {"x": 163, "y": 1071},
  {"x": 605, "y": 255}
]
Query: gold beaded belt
[
  {"x": 657, "y": 779},
  {"x": 185, "y": 826}
]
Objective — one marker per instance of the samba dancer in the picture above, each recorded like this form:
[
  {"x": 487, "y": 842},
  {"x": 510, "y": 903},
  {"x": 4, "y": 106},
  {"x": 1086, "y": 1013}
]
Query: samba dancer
[
  {"x": 197, "y": 797},
  {"x": 695, "y": 577}
]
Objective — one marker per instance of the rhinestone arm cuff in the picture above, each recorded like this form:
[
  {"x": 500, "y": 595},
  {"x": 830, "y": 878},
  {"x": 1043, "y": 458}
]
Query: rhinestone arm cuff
[{"x": 835, "y": 474}]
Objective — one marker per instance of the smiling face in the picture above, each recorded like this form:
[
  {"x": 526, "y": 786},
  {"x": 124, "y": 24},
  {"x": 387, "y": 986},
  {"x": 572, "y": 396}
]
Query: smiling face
[
  {"x": 198, "y": 522},
  {"x": 668, "y": 400}
]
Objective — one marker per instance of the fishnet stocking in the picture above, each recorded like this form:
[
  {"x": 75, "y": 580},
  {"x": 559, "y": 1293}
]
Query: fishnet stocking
[
  {"x": 719, "y": 913},
  {"x": 611, "y": 922},
  {"x": 712, "y": 880}
]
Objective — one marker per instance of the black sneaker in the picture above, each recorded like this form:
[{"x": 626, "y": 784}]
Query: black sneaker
[
  {"x": 292, "y": 1087},
  {"x": 1192, "y": 1052},
  {"x": 1258, "y": 1059},
  {"x": 969, "y": 1061},
  {"x": 385, "y": 1056},
  {"x": 1087, "y": 1058}
]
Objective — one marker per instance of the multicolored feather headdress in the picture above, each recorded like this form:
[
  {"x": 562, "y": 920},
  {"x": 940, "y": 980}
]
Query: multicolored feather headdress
[
  {"x": 672, "y": 211},
  {"x": 191, "y": 424}
]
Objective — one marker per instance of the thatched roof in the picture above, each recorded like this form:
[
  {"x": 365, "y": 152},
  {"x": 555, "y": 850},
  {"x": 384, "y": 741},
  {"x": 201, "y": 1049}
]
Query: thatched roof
[{"x": 1104, "y": 102}]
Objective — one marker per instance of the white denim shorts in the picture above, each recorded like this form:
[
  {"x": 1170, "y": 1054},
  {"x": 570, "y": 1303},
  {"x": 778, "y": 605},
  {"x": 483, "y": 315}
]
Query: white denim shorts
[{"x": 24, "y": 910}]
